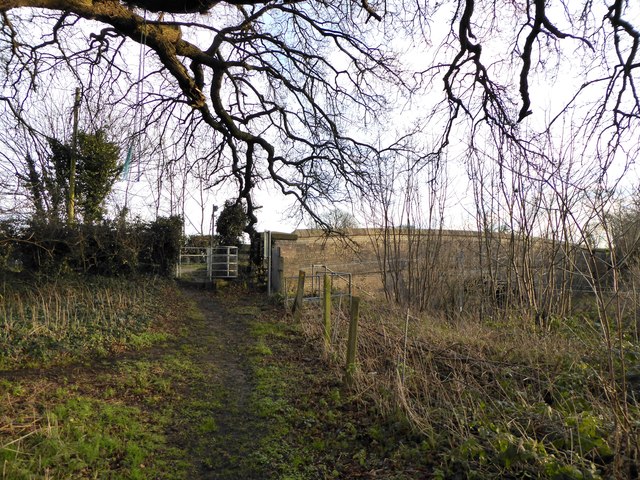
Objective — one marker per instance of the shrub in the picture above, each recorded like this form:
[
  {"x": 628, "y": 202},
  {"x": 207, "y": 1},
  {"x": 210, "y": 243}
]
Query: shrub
[{"x": 163, "y": 239}]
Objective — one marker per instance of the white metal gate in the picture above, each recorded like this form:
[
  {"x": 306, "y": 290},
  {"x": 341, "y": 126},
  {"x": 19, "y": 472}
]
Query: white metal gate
[{"x": 200, "y": 264}]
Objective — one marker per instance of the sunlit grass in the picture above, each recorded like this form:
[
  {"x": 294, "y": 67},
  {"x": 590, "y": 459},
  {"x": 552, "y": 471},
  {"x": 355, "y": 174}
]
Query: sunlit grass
[
  {"x": 106, "y": 421},
  {"x": 63, "y": 431}
]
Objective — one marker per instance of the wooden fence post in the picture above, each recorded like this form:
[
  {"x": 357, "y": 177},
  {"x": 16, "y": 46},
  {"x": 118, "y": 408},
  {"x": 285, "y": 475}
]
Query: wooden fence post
[
  {"x": 297, "y": 304},
  {"x": 326, "y": 312},
  {"x": 352, "y": 342}
]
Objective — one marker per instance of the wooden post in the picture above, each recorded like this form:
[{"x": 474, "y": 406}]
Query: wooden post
[
  {"x": 280, "y": 273},
  {"x": 326, "y": 312},
  {"x": 297, "y": 304},
  {"x": 352, "y": 342}
]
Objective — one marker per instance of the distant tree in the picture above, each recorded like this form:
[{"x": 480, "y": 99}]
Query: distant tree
[
  {"x": 338, "y": 219},
  {"x": 97, "y": 169},
  {"x": 232, "y": 222}
]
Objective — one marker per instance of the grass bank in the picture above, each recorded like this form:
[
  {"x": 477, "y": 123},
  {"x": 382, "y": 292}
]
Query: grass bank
[{"x": 225, "y": 387}]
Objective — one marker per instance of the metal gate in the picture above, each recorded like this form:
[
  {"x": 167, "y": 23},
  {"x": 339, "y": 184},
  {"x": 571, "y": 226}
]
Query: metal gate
[
  {"x": 202, "y": 264},
  {"x": 341, "y": 285}
]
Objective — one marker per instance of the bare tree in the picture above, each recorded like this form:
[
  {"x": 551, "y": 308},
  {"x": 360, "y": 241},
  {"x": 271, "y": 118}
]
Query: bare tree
[
  {"x": 338, "y": 220},
  {"x": 256, "y": 78},
  {"x": 282, "y": 87},
  {"x": 502, "y": 51}
]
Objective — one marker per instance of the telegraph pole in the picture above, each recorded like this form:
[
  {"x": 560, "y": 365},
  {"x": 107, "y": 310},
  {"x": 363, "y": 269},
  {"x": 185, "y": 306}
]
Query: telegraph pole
[
  {"x": 213, "y": 223},
  {"x": 71, "y": 203}
]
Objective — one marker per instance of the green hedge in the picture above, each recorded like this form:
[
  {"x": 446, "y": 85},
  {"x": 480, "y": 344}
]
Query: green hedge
[{"x": 109, "y": 248}]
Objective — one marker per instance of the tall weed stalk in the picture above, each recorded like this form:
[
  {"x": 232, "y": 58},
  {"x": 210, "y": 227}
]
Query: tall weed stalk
[{"x": 488, "y": 399}]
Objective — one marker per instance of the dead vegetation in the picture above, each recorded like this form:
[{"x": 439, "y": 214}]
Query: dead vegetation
[{"x": 494, "y": 399}]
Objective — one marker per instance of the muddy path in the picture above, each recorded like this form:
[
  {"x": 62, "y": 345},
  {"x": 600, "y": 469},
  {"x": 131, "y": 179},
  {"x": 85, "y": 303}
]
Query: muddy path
[{"x": 219, "y": 344}]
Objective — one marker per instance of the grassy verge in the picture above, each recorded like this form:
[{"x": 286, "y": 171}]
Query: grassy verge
[
  {"x": 312, "y": 428},
  {"x": 66, "y": 434},
  {"x": 111, "y": 417},
  {"x": 43, "y": 323}
]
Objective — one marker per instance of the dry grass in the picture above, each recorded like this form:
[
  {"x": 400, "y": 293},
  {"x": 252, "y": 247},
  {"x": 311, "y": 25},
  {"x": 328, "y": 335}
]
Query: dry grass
[{"x": 491, "y": 398}]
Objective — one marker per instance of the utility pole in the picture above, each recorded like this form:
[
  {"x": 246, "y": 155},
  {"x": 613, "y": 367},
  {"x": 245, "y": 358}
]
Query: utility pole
[
  {"x": 71, "y": 203},
  {"x": 210, "y": 255},
  {"x": 213, "y": 223}
]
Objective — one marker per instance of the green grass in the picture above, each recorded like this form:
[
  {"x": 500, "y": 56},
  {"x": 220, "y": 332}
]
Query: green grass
[
  {"x": 311, "y": 428},
  {"x": 167, "y": 414},
  {"x": 83, "y": 437},
  {"x": 110, "y": 421}
]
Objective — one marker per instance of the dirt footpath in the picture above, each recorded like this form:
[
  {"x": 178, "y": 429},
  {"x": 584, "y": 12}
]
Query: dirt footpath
[
  {"x": 229, "y": 388},
  {"x": 221, "y": 436}
]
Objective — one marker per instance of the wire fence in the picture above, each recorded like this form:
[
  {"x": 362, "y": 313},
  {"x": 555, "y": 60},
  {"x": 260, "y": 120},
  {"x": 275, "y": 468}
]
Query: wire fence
[{"x": 341, "y": 285}]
